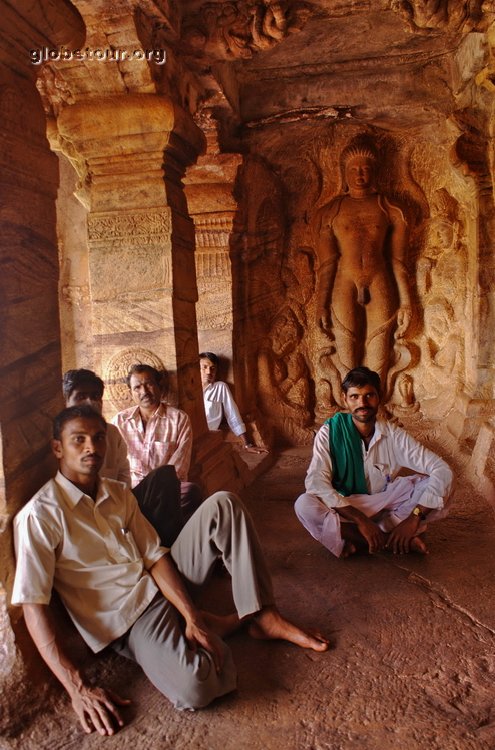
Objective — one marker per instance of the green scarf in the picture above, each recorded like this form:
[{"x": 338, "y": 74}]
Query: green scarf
[{"x": 347, "y": 457}]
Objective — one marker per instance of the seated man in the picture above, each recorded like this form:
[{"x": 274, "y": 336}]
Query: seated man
[
  {"x": 158, "y": 493},
  {"x": 353, "y": 477},
  {"x": 157, "y": 434},
  {"x": 85, "y": 537},
  {"x": 219, "y": 402}
]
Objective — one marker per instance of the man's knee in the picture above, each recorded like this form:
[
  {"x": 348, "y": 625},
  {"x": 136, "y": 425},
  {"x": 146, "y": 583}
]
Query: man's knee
[
  {"x": 199, "y": 690},
  {"x": 305, "y": 507},
  {"x": 227, "y": 502}
]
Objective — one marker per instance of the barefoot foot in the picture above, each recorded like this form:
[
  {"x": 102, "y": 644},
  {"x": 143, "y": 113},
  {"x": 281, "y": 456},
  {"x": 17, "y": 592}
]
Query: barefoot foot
[
  {"x": 349, "y": 549},
  {"x": 270, "y": 625},
  {"x": 417, "y": 545}
]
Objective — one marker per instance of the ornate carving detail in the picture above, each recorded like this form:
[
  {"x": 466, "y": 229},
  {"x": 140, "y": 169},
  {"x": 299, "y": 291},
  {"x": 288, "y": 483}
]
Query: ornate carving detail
[
  {"x": 234, "y": 29},
  {"x": 117, "y": 369},
  {"x": 283, "y": 375},
  {"x": 214, "y": 264},
  {"x": 213, "y": 231},
  {"x": 54, "y": 90},
  {"x": 104, "y": 226},
  {"x": 442, "y": 278},
  {"x": 431, "y": 15}
]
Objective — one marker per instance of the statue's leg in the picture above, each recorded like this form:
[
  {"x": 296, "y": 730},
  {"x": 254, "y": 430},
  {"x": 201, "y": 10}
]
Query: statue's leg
[
  {"x": 346, "y": 346},
  {"x": 381, "y": 315}
]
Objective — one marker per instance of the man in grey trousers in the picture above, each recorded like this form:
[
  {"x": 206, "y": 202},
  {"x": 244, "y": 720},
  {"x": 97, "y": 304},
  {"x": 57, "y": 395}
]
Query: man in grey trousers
[{"x": 86, "y": 538}]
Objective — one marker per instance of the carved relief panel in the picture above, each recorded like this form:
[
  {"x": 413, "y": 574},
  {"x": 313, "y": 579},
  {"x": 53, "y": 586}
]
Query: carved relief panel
[{"x": 359, "y": 253}]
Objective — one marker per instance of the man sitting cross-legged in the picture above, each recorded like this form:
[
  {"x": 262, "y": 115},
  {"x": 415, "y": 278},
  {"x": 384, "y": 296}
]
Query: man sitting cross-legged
[
  {"x": 158, "y": 493},
  {"x": 157, "y": 434},
  {"x": 86, "y": 538},
  {"x": 354, "y": 497}
]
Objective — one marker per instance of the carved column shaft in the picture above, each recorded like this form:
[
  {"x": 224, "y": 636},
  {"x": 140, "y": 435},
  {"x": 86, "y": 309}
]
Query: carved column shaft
[{"x": 132, "y": 151}]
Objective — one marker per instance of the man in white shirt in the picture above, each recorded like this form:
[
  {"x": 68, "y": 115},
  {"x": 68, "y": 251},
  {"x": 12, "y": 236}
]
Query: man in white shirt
[
  {"x": 86, "y": 538},
  {"x": 157, "y": 434},
  {"x": 158, "y": 493},
  {"x": 219, "y": 402},
  {"x": 354, "y": 495}
]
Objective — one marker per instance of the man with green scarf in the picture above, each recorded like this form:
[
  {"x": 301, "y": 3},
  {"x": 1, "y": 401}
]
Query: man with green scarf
[{"x": 355, "y": 498}]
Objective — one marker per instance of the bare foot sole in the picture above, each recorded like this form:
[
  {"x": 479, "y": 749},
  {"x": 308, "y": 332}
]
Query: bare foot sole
[
  {"x": 270, "y": 625},
  {"x": 222, "y": 625},
  {"x": 417, "y": 545}
]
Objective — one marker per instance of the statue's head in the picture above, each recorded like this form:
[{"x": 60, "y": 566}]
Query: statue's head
[{"x": 359, "y": 160}]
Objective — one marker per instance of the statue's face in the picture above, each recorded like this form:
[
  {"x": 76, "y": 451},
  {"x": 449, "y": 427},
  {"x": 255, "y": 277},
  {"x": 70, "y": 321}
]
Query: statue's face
[{"x": 359, "y": 172}]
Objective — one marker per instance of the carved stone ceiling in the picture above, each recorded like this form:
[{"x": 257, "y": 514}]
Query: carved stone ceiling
[
  {"x": 387, "y": 62},
  {"x": 391, "y": 62}
]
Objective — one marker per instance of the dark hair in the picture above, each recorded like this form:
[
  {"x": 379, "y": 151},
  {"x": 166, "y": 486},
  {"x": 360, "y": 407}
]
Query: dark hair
[
  {"x": 74, "y": 412},
  {"x": 209, "y": 355},
  {"x": 138, "y": 368},
  {"x": 73, "y": 379},
  {"x": 361, "y": 376}
]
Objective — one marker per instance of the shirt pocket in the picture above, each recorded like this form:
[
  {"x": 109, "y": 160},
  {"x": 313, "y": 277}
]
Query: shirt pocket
[
  {"x": 162, "y": 451},
  {"x": 381, "y": 476}
]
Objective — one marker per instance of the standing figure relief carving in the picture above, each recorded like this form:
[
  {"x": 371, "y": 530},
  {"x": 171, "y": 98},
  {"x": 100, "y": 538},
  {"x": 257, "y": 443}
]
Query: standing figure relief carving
[
  {"x": 363, "y": 294},
  {"x": 283, "y": 375}
]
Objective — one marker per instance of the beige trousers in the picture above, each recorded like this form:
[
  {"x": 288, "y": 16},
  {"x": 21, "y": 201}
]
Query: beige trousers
[{"x": 221, "y": 528}]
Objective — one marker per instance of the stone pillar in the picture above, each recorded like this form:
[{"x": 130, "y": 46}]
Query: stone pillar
[
  {"x": 132, "y": 151},
  {"x": 210, "y": 198},
  {"x": 30, "y": 366}
]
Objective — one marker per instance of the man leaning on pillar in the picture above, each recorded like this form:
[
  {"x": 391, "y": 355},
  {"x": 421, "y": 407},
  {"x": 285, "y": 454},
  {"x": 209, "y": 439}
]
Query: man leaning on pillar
[
  {"x": 85, "y": 537},
  {"x": 157, "y": 434}
]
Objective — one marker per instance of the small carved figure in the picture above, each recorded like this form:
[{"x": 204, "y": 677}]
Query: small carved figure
[
  {"x": 283, "y": 373},
  {"x": 363, "y": 287}
]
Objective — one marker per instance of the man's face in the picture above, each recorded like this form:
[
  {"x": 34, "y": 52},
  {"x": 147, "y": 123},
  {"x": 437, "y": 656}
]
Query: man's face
[
  {"x": 359, "y": 172},
  {"x": 81, "y": 449},
  {"x": 362, "y": 402},
  {"x": 86, "y": 393},
  {"x": 208, "y": 372},
  {"x": 145, "y": 391}
]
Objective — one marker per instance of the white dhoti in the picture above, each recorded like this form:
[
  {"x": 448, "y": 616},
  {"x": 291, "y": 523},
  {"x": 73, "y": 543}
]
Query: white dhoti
[{"x": 387, "y": 509}]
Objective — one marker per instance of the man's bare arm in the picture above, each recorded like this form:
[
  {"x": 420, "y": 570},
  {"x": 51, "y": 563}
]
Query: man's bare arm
[
  {"x": 94, "y": 706},
  {"x": 170, "y": 583},
  {"x": 372, "y": 533}
]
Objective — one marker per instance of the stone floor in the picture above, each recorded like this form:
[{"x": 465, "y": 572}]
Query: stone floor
[{"x": 412, "y": 664}]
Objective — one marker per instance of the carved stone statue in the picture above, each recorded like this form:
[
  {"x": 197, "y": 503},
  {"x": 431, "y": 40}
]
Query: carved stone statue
[
  {"x": 363, "y": 289},
  {"x": 283, "y": 376}
]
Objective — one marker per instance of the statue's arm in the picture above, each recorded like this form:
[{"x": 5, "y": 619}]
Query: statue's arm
[
  {"x": 327, "y": 250},
  {"x": 399, "y": 240}
]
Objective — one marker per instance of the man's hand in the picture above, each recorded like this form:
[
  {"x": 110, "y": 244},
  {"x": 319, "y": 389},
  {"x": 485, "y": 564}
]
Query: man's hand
[
  {"x": 94, "y": 706},
  {"x": 251, "y": 448},
  {"x": 199, "y": 635},
  {"x": 375, "y": 537},
  {"x": 399, "y": 540},
  {"x": 96, "y": 709},
  {"x": 170, "y": 583}
]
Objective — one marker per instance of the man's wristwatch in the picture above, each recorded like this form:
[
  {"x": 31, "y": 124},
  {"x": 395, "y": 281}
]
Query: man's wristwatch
[{"x": 419, "y": 513}]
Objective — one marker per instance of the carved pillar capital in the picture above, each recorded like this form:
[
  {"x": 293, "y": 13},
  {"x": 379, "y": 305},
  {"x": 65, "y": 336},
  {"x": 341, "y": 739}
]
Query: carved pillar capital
[{"x": 114, "y": 141}]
